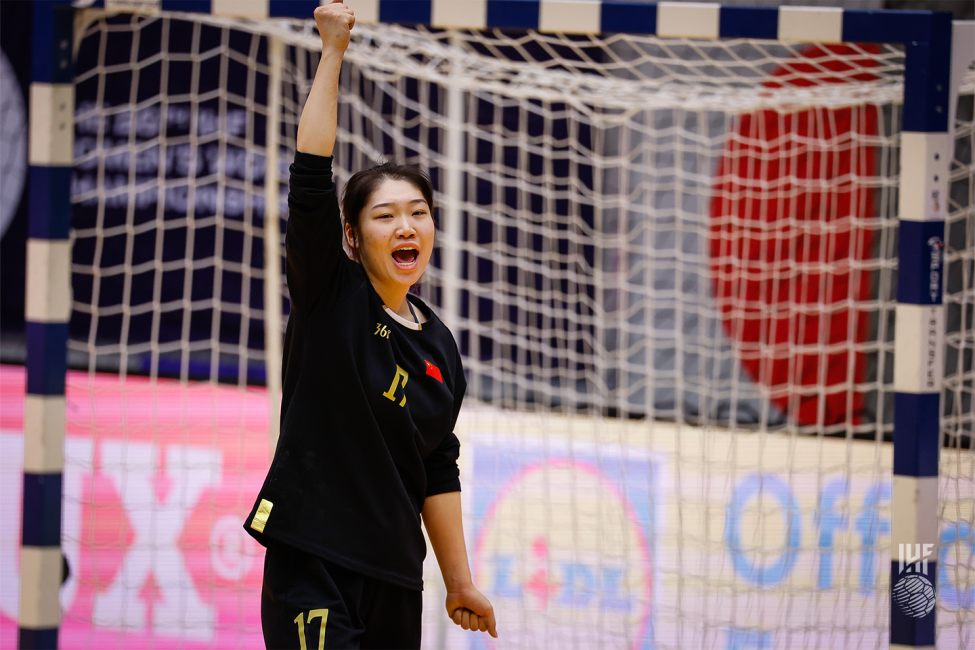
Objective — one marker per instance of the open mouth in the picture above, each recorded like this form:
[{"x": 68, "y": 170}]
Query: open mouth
[{"x": 406, "y": 257}]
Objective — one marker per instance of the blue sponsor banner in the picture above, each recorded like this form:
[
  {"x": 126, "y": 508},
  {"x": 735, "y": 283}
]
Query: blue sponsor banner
[{"x": 955, "y": 596}]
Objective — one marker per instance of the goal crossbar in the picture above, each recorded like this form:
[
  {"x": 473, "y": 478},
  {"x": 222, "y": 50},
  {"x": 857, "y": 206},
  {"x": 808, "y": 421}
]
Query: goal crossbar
[{"x": 925, "y": 94}]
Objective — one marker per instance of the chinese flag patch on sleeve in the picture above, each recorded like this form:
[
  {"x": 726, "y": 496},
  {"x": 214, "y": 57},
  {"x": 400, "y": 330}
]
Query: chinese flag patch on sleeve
[{"x": 434, "y": 371}]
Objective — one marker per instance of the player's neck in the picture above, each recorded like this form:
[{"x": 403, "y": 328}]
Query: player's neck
[{"x": 394, "y": 297}]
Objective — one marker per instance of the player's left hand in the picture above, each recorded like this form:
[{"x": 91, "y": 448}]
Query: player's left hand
[{"x": 469, "y": 609}]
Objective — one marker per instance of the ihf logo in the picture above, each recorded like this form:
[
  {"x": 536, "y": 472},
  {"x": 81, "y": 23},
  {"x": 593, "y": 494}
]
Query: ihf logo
[{"x": 913, "y": 592}]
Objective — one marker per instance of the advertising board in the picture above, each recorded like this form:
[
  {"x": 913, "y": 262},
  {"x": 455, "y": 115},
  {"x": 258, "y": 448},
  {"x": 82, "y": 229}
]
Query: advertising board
[{"x": 584, "y": 532}]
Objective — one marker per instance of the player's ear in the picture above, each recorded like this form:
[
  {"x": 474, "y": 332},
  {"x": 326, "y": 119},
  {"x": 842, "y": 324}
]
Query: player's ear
[{"x": 352, "y": 241}]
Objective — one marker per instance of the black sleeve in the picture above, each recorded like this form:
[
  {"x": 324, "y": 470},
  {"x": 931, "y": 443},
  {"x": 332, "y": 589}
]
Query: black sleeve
[
  {"x": 443, "y": 475},
  {"x": 314, "y": 238}
]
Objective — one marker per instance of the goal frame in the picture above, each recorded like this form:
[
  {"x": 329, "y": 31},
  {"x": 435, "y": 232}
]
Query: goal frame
[{"x": 933, "y": 70}]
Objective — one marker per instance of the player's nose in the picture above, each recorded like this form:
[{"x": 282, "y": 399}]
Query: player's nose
[{"x": 404, "y": 227}]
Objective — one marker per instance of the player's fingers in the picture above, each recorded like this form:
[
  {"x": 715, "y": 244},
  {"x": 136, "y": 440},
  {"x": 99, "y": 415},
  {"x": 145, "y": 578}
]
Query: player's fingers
[
  {"x": 326, "y": 10},
  {"x": 455, "y": 617},
  {"x": 491, "y": 625},
  {"x": 465, "y": 619},
  {"x": 323, "y": 14},
  {"x": 481, "y": 624}
]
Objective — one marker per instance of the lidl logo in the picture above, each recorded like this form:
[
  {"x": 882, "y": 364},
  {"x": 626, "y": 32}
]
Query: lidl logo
[{"x": 565, "y": 547}]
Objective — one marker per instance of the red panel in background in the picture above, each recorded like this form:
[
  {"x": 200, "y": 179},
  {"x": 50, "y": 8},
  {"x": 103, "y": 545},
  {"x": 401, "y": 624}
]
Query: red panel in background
[
  {"x": 158, "y": 480},
  {"x": 786, "y": 216}
]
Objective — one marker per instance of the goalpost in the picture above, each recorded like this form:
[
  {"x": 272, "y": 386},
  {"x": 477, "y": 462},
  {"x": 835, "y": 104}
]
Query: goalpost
[{"x": 704, "y": 265}]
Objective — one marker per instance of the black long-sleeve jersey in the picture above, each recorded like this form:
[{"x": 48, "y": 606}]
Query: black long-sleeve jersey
[{"x": 368, "y": 407}]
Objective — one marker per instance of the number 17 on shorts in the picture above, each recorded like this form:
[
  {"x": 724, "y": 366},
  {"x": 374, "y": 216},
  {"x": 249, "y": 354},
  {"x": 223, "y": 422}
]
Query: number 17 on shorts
[{"x": 312, "y": 615}]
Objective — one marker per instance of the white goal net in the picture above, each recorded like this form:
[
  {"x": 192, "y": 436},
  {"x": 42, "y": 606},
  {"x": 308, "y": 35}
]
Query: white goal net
[
  {"x": 670, "y": 266},
  {"x": 956, "y": 519}
]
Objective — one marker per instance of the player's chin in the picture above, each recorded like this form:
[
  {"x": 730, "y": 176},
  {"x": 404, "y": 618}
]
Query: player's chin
[{"x": 408, "y": 277}]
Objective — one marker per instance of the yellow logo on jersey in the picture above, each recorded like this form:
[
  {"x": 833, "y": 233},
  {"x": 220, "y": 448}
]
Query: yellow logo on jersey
[{"x": 391, "y": 393}]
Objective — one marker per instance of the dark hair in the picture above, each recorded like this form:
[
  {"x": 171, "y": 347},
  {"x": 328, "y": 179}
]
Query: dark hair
[{"x": 363, "y": 183}]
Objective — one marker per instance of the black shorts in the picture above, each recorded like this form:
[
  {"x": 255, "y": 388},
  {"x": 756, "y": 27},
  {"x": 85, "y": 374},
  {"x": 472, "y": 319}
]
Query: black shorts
[{"x": 308, "y": 603}]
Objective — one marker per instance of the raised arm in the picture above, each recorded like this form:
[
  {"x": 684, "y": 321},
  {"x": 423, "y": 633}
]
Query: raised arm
[
  {"x": 314, "y": 239},
  {"x": 316, "y": 128}
]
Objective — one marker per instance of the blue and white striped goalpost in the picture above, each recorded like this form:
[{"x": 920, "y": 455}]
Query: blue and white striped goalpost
[
  {"x": 919, "y": 338},
  {"x": 919, "y": 342},
  {"x": 48, "y": 309}
]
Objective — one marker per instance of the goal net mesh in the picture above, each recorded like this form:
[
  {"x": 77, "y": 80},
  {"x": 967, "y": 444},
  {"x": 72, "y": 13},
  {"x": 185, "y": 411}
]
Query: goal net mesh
[
  {"x": 670, "y": 266},
  {"x": 956, "y": 516}
]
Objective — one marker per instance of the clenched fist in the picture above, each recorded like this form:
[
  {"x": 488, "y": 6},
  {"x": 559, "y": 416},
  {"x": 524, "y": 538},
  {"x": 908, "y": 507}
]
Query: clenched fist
[
  {"x": 469, "y": 609},
  {"x": 335, "y": 22}
]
